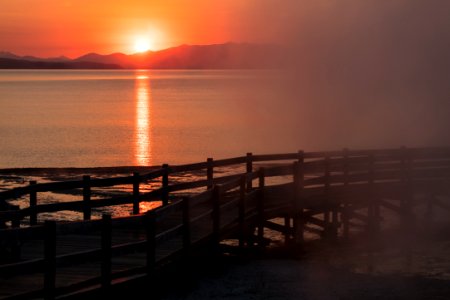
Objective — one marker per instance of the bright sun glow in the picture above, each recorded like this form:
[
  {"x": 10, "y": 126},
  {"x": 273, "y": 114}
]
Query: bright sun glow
[{"x": 142, "y": 45}]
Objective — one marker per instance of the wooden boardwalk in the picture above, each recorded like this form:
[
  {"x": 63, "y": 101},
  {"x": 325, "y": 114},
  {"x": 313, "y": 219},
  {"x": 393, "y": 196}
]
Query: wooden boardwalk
[{"x": 331, "y": 194}]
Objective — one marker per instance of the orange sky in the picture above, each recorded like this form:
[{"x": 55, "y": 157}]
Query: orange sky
[{"x": 75, "y": 27}]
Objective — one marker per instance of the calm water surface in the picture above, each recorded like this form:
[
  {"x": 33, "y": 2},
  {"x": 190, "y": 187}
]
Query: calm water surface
[{"x": 79, "y": 118}]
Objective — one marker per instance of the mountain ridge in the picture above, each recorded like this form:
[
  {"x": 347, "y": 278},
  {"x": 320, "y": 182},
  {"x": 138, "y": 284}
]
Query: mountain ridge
[{"x": 214, "y": 56}]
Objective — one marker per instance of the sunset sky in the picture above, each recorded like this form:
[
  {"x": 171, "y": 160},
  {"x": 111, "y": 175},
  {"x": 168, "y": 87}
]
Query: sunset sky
[{"x": 72, "y": 28}]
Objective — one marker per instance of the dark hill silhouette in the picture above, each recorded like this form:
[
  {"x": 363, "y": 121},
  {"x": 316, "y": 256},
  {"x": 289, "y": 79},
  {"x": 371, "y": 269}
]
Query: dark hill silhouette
[
  {"x": 223, "y": 56},
  {"x": 219, "y": 56},
  {"x": 115, "y": 58},
  {"x": 4, "y": 54},
  {"x": 8, "y": 63}
]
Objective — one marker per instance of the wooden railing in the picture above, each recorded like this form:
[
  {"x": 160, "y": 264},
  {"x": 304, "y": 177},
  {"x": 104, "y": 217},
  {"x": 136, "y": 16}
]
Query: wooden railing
[
  {"x": 87, "y": 183},
  {"x": 212, "y": 203},
  {"x": 334, "y": 185},
  {"x": 387, "y": 162}
]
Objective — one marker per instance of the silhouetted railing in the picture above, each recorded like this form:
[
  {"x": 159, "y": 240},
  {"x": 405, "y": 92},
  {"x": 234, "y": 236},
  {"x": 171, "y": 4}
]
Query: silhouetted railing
[
  {"x": 394, "y": 159},
  {"x": 326, "y": 193}
]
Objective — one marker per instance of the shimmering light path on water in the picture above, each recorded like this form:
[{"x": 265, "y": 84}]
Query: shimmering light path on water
[{"x": 143, "y": 119}]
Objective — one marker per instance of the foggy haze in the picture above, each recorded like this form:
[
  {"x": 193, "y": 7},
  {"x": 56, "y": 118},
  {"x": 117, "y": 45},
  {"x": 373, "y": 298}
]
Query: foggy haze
[{"x": 361, "y": 74}]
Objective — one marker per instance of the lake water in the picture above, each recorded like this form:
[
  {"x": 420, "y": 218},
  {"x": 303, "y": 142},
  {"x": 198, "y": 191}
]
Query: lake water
[{"x": 81, "y": 118}]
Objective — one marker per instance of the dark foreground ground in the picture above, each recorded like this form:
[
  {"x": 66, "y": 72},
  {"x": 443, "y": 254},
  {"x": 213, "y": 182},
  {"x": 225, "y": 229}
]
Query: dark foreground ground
[
  {"x": 279, "y": 273},
  {"x": 290, "y": 279}
]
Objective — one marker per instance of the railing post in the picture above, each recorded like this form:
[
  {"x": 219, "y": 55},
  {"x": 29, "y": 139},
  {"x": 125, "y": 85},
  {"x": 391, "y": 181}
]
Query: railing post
[
  {"x": 407, "y": 185},
  {"x": 33, "y": 203},
  {"x": 428, "y": 218},
  {"x": 249, "y": 169},
  {"x": 373, "y": 208},
  {"x": 217, "y": 199},
  {"x": 334, "y": 211},
  {"x": 260, "y": 206},
  {"x": 209, "y": 172},
  {"x": 106, "y": 241},
  {"x": 327, "y": 206},
  {"x": 406, "y": 203},
  {"x": 15, "y": 221},
  {"x": 241, "y": 217},
  {"x": 186, "y": 225},
  {"x": 86, "y": 197},
  {"x": 136, "y": 198},
  {"x": 50, "y": 260},
  {"x": 297, "y": 206},
  {"x": 165, "y": 184},
  {"x": 347, "y": 207},
  {"x": 287, "y": 228},
  {"x": 150, "y": 230}
]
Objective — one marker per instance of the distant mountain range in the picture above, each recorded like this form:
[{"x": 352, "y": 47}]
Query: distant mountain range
[{"x": 219, "y": 56}]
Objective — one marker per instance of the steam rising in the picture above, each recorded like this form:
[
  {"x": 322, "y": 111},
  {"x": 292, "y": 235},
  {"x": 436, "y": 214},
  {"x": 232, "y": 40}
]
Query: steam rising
[{"x": 363, "y": 73}]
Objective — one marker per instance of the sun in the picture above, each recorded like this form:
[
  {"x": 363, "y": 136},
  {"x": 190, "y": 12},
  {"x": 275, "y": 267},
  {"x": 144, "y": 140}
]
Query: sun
[{"x": 142, "y": 44}]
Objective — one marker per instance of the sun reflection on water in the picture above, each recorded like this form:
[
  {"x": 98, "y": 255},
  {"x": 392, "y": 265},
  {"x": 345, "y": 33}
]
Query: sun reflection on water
[{"x": 143, "y": 120}]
